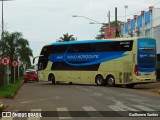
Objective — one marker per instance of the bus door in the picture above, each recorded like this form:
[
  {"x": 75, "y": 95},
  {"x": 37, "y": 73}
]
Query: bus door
[
  {"x": 40, "y": 71},
  {"x": 42, "y": 64}
]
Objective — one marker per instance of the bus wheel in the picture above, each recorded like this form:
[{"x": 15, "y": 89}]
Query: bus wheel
[
  {"x": 110, "y": 81},
  {"x": 99, "y": 80},
  {"x": 130, "y": 86},
  {"x": 52, "y": 78}
]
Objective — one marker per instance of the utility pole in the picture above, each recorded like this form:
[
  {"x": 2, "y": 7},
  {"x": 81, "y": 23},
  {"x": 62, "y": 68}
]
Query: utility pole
[
  {"x": 2, "y": 20},
  {"x": 2, "y": 34},
  {"x": 3, "y": 43},
  {"x": 109, "y": 25},
  {"x": 117, "y": 33},
  {"x": 125, "y": 7}
]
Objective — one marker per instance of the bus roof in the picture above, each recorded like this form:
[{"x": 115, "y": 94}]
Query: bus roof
[
  {"x": 93, "y": 41},
  {"x": 90, "y": 41},
  {"x": 79, "y": 42}
]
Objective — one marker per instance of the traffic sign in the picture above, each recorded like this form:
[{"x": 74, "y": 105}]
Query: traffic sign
[
  {"x": 15, "y": 63},
  {"x": 5, "y": 61}
]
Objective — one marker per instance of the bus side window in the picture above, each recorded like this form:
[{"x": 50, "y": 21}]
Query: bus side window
[{"x": 73, "y": 49}]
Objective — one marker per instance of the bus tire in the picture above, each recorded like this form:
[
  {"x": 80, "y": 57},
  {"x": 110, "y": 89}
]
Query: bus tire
[
  {"x": 51, "y": 78},
  {"x": 110, "y": 81},
  {"x": 99, "y": 80}
]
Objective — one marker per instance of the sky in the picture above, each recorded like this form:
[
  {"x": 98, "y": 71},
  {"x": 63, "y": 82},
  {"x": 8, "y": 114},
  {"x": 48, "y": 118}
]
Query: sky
[{"x": 44, "y": 21}]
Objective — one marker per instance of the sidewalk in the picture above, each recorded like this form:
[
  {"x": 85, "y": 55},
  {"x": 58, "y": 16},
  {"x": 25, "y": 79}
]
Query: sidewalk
[
  {"x": 150, "y": 87},
  {"x": 155, "y": 85},
  {"x": 2, "y": 105}
]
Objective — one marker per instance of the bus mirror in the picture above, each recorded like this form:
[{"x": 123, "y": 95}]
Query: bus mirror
[
  {"x": 36, "y": 57},
  {"x": 34, "y": 60}
]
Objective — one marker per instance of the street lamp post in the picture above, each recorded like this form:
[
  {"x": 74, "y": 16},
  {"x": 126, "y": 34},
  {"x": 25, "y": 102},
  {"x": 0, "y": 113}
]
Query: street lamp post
[
  {"x": 126, "y": 6},
  {"x": 93, "y": 21},
  {"x": 125, "y": 11},
  {"x": 105, "y": 26},
  {"x": 86, "y": 18},
  {"x": 3, "y": 22},
  {"x": 2, "y": 42}
]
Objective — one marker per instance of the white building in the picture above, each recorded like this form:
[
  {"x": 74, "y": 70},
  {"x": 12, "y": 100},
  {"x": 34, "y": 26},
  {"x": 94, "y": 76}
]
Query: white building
[{"x": 147, "y": 24}]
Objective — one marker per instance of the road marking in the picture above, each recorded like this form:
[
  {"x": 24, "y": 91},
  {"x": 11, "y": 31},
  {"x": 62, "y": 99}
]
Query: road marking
[
  {"x": 34, "y": 118},
  {"x": 91, "y": 111},
  {"x": 121, "y": 105},
  {"x": 144, "y": 108},
  {"x": 97, "y": 94},
  {"x": 88, "y": 108},
  {"x": 127, "y": 108},
  {"x": 63, "y": 109},
  {"x": 26, "y": 102},
  {"x": 116, "y": 108}
]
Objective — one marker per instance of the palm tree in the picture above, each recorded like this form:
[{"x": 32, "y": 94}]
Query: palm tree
[
  {"x": 66, "y": 38},
  {"x": 16, "y": 46},
  {"x": 25, "y": 53}
]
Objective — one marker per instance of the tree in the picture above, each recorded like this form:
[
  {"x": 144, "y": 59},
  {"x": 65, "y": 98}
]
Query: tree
[
  {"x": 16, "y": 47},
  {"x": 66, "y": 38},
  {"x": 112, "y": 24},
  {"x": 101, "y": 35}
]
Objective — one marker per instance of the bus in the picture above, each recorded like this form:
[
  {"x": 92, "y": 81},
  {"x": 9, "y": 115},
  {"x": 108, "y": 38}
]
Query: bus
[{"x": 111, "y": 62}]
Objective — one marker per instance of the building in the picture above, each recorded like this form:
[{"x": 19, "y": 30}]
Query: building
[
  {"x": 146, "y": 24},
  {"x": 111, "y": 32}
]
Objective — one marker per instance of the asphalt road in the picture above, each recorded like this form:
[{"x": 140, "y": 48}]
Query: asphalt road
[{"x": 82, "y": 102}]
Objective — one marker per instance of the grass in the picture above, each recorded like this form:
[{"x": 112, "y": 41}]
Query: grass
[{"x": 9, "y": 90}]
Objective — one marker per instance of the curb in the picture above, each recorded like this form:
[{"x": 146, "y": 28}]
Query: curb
[
  {"x": 13, "y": 95},
  {"x": 10, "y": 97}
]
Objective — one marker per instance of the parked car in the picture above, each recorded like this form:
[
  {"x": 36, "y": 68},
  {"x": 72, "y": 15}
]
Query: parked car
[{"x": 31, "y": 75}]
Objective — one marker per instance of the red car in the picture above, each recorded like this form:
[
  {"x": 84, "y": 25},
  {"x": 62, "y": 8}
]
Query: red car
[{"x": 31, "y": 75}]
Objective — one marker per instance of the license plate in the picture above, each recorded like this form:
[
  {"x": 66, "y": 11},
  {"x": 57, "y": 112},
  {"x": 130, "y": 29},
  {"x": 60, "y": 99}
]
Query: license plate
[{"x": 147, "y": 75}]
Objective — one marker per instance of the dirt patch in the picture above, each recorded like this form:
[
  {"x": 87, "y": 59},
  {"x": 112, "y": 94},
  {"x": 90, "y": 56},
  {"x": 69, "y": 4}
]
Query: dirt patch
[{"x": 153, "y": 91}]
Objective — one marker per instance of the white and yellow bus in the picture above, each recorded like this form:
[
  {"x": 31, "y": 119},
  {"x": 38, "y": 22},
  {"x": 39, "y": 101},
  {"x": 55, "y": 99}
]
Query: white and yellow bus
[{"x": 121, "y": 61}]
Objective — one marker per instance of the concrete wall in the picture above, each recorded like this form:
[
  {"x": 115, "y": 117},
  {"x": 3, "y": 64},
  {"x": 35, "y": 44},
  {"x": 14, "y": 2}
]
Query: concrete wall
[
  {"x": 148, "y": 28},
  {"x": 156, "y": 34}
]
